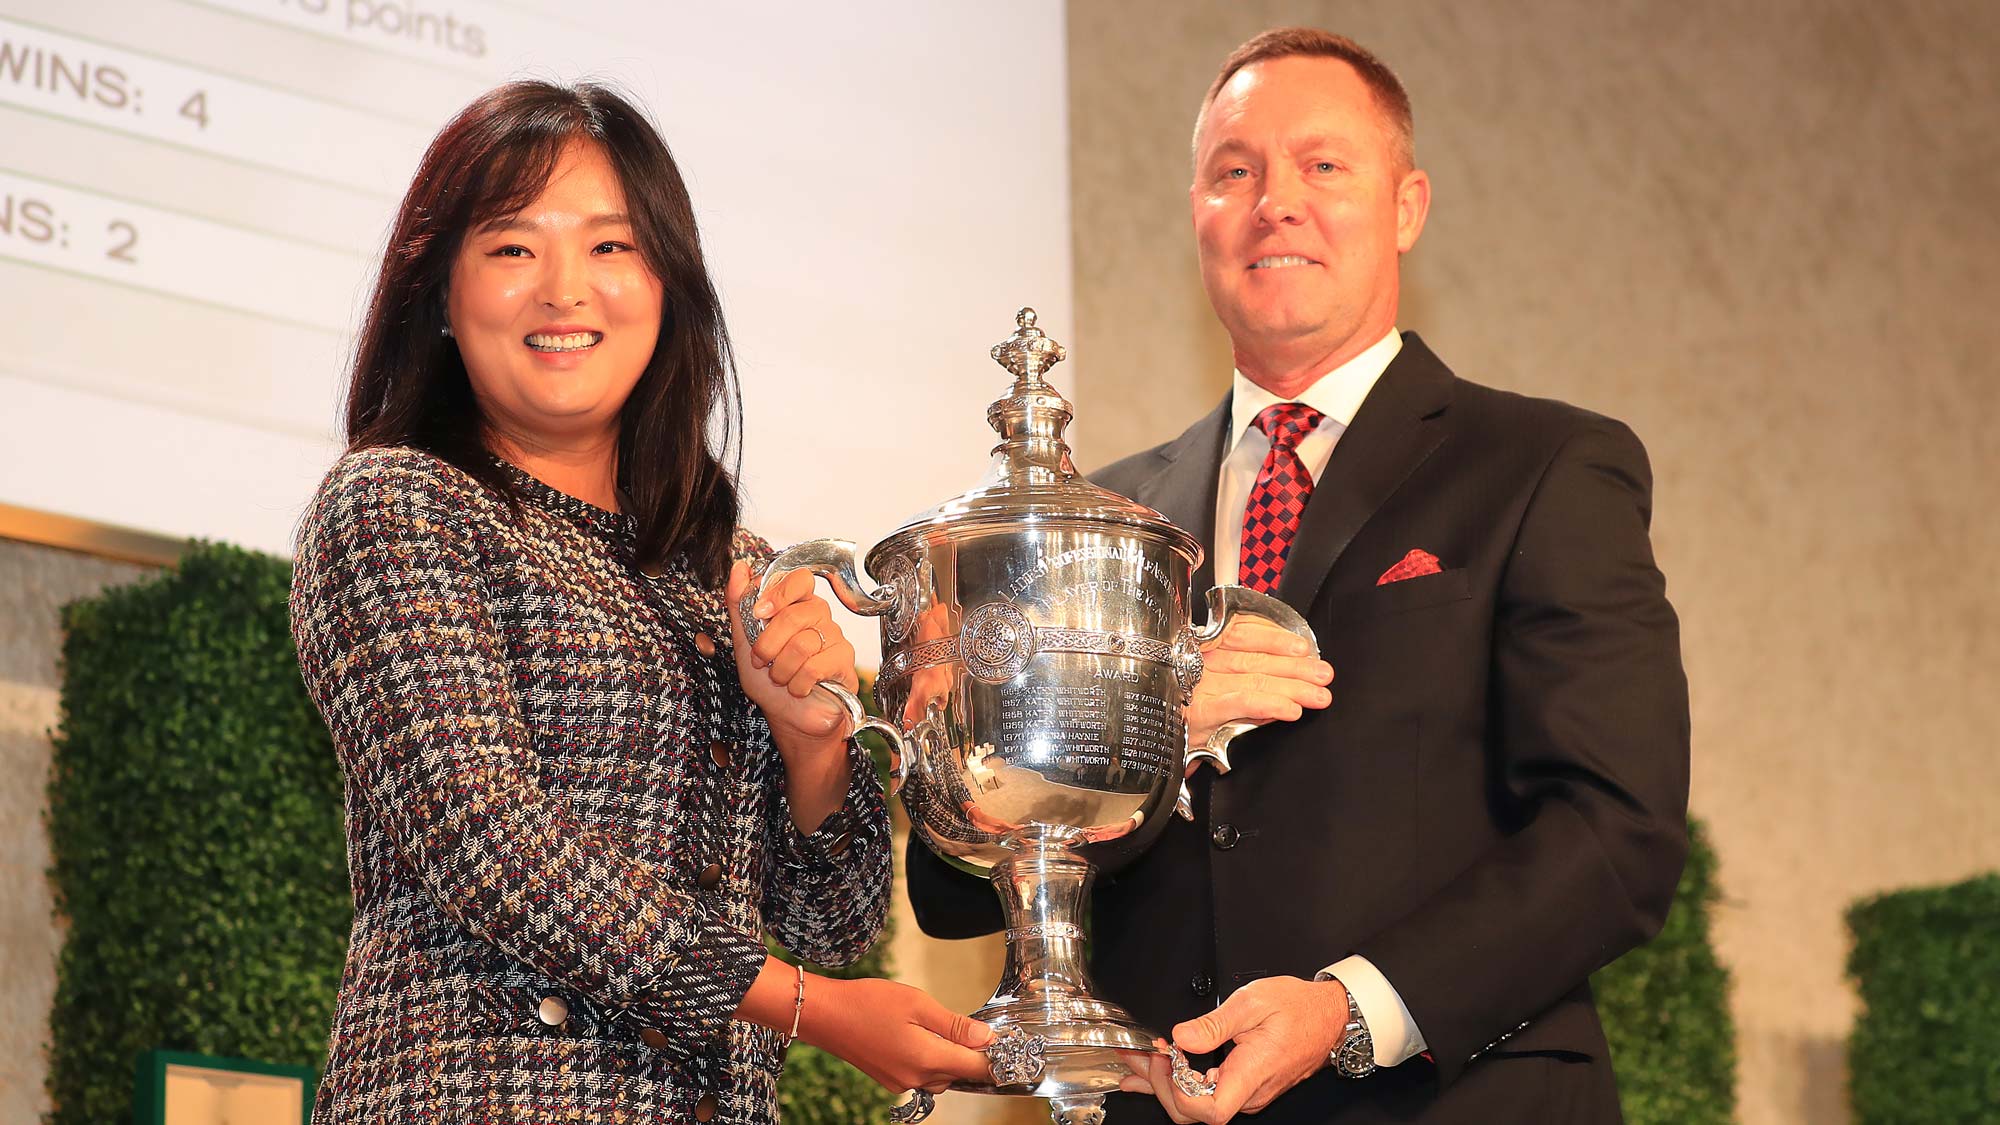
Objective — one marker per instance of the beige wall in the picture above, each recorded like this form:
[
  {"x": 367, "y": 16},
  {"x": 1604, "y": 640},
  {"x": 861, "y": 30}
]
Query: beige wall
[{"x": 1764, "y": 235}]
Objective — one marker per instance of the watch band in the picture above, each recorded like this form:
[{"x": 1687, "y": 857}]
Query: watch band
[{"x": 1354, "y": 1057}]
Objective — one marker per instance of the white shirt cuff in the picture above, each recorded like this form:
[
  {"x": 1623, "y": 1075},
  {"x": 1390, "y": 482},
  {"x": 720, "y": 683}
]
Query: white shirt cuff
[{"x": 1389, "y": 1022}]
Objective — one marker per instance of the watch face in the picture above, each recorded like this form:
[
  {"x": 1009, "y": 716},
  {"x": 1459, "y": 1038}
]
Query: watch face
[{"x": 1357, "y": 1054}]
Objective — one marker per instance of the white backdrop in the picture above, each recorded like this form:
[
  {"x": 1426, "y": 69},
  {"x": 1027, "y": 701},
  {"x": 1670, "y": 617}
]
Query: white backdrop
[{"x": 193, "y": 194}]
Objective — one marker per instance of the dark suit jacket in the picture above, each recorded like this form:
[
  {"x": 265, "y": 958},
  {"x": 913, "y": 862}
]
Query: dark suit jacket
[{"x": 1494, "y": 805}]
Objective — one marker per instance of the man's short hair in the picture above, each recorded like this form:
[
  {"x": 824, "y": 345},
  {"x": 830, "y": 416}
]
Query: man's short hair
[{"x": 1286, "y": 42}]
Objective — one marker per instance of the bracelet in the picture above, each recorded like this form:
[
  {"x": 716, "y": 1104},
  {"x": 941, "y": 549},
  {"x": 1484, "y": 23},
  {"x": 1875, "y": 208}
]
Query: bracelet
[{"x": 798, "y": 1006}]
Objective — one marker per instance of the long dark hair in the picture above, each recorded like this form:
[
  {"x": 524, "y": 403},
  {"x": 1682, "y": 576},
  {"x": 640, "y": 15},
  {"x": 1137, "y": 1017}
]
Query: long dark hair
[{"x": 682, "y": 418}]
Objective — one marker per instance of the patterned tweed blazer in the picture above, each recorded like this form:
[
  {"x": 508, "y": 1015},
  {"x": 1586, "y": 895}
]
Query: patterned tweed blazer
[{"x": 566, "y": 825}]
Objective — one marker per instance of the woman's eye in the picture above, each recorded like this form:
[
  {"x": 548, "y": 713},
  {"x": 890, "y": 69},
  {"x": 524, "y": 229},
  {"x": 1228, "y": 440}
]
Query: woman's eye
[
  {"x": 511, "y": 252},
  {"x": 611, "y": 247}
]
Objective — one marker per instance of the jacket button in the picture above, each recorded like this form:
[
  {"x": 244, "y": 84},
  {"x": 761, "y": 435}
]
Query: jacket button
[
  {"x": 653, "y": 1037},
  {"x": 1224, "y": 836},
  {"x": 710, "y": 877},
  {"x": 705, "y": 1108},
  {"x": 718, "y": 752},
  {"x": 704, "y": 644},
  {"x": 838, "y": 845},
  {"x": 1203, "y": 985},
  {"x": 553, "y": 1011}
]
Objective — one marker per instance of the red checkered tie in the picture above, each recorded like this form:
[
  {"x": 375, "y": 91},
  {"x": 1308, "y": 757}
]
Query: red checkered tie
[{"x": 1271, "y": 520}]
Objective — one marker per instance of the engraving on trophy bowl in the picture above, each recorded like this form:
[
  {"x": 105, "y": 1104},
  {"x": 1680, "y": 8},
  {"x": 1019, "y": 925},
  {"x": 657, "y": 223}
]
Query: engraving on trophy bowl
[{"x": 1052, "y": 712}]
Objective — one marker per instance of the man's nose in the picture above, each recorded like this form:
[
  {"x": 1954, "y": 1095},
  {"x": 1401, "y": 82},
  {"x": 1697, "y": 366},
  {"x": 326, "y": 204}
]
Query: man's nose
[{"x": 1281, "y": 202}]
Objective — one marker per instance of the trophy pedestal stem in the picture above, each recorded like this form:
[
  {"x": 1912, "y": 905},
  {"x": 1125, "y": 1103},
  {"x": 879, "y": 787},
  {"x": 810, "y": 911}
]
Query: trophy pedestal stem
[{"x": 1045, "y": 986}]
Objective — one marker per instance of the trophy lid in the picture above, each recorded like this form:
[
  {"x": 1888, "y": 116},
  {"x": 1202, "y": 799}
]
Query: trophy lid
[{"x": 1031, "y": 478}]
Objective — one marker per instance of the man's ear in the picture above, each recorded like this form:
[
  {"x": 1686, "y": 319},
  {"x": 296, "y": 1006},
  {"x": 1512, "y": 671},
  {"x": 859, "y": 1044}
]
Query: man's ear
[{"x": 1413, "y": 204}]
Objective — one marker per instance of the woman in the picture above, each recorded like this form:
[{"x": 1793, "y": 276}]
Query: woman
[{"x": 573, "y": 804}]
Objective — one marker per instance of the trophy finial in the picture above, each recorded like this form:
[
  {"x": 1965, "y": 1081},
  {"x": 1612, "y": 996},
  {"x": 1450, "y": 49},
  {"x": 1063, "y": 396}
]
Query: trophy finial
[{"x": 1029, "y": 351}]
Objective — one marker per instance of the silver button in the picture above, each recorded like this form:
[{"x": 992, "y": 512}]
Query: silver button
[{"x": 553, "y": 1011}]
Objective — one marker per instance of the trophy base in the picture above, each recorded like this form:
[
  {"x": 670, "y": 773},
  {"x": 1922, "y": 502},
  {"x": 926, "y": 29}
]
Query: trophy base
[
  {"x": 1082, "y": 1041},
  {"x": 1056, "y": 1038}
]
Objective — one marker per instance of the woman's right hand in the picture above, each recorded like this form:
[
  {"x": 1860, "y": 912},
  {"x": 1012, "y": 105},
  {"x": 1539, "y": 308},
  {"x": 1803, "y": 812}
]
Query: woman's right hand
[{"x": 895, "y": 1034}]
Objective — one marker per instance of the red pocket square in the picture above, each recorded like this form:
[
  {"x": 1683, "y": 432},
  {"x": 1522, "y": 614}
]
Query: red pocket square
[{"x": 1415, "y": 563}]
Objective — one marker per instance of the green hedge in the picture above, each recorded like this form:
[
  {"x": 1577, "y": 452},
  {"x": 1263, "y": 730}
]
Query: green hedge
[
  {"x": 1927, "y": 1046},
  {"x": 195, "y": 821},
  {"x": 1665, "y": 1008}
]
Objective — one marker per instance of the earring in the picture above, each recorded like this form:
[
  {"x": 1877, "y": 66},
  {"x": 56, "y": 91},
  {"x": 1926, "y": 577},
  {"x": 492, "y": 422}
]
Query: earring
[{"x": 445, "y": 329}]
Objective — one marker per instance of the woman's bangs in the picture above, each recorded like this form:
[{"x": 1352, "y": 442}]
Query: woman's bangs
[{"x": 515, "y": 174}]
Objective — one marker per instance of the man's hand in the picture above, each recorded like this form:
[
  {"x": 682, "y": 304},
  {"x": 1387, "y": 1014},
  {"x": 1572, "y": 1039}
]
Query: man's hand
[
  {"x": 1259, "y": 672},
  {"x": 1283, "y": 1027}
]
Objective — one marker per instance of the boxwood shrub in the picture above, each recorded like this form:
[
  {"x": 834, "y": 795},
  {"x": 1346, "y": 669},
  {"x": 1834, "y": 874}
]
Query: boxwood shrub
[
  {"x": 1665, "y": 1008},
  {"x": 1927, "y": 1045},
  {"x": 195, "y": 825}
]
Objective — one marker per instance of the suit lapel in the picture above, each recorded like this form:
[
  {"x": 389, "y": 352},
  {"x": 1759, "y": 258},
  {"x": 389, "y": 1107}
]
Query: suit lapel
[
  {"x": 1393, "y": 432},
  {"x": 1184, "y": 491}
]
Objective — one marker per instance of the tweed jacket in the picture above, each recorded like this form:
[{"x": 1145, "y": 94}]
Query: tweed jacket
[{"x": 567, "y": 829}]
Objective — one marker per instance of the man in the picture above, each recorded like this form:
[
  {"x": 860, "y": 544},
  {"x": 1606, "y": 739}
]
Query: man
[{"x": 1389, "y": 910}]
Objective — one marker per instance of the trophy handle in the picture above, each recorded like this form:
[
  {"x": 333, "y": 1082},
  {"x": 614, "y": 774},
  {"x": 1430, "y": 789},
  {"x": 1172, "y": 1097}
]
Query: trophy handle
[
  {"x": 836, "y": 560},
  {"x": 1224, "y": 604}
]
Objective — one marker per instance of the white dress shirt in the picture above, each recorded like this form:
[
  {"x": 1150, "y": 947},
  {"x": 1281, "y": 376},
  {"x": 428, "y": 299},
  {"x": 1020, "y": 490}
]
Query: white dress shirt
[{"x": 1336, "y": 395}]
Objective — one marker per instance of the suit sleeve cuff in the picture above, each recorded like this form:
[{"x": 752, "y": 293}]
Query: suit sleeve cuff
[
  {"x": 1395, "y": 1032},
  {"x": 822, "y": 850},
  {"x": 686, "y": 1010}
]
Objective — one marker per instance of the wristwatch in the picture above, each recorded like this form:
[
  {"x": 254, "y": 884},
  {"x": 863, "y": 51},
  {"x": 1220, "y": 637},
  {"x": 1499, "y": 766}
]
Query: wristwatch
[{"x": 1355, "y": 1056}]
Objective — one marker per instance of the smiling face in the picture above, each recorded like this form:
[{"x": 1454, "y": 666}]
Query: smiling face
[
  {"x": 554, "y": 312},
  {"x": 1302, "y": 209}
]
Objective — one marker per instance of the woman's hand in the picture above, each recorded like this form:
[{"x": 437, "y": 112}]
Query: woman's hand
[
  {"x": 800, "y": 646},
  {"x": 895, "y": 1034}
]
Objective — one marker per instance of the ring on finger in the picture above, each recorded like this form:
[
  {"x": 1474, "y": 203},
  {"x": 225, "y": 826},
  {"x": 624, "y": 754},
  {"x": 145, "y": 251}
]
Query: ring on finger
[
  {"x": 918, "y": 1107},
  {"x": 823, "y": 642}
]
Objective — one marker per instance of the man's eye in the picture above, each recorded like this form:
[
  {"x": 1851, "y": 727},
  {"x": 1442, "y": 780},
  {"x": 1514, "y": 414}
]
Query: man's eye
[
  {"x": 1236, "y": 174},
  {"x": 1324, "y": 166}
]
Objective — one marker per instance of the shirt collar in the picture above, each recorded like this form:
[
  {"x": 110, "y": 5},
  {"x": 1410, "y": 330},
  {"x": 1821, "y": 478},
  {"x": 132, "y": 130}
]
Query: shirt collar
[{"x": 1336, "y": 394}]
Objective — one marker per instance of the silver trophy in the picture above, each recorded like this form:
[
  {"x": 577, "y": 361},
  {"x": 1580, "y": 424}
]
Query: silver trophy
[{"x": 1037, "y": 651}]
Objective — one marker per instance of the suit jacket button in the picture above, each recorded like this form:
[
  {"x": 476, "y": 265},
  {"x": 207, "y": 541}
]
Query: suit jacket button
[
  {"x": 553, "y": 1011},
  {"x": 718, "y": 752},
  {"x": 711, "y": 877},
  {"x": 1203, "y": 984},
  {"x": 653, "y": 1037},
  {"x": 1224, "y": 836},
  {"x": 704, "y": 644},
  {"x": 705, "y": 1108}
]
